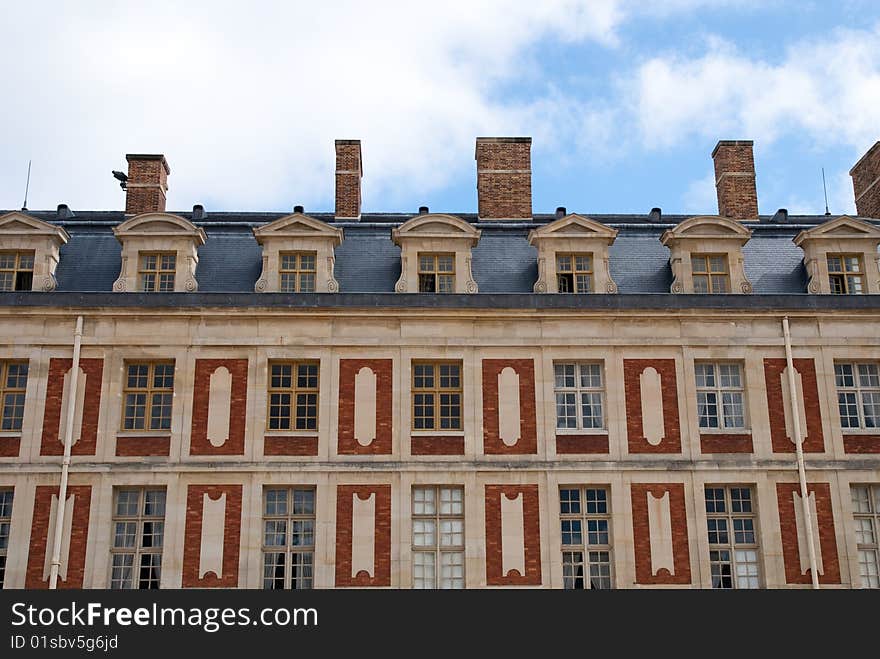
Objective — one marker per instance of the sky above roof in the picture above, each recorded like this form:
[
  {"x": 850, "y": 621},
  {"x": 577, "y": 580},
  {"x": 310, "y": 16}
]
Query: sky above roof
[{"x": 624, "y": 103}]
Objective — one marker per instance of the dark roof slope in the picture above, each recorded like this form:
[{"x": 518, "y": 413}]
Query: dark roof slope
[{"x": 369, "y": 262}]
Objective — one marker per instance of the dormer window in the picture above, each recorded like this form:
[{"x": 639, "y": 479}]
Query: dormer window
[
  {"x": 16, "y": 271},
  {"x": 574, "y": 273},
  {"x": 297, "y": 272},
  {"x": 436, "y": 273},
  {"x": 840, "y": 257},
  {"x": 845, "y": 274},
  {"x": 573, "y": 256},
  {"x": 710, "y": 273},
  {"x": 156, "y": 272}
]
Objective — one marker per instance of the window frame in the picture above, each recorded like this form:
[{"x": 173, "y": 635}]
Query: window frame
[
  {"x": 872, "y": 516},
  {"x": 574, "y": 272},
  {"x": 149, "y": 392},
  {"x": 435, "y": 272},
  {"x": 298, "y": 271},
  {"x": 305, "y": 552},
  {"x": 578, "y": 524},
  {"x": 843, "y": 275},
  {"x": 157, "y": 272},
  {"x": 6, "y": 391},
  {"x": 719, "y": 392},
  {"x": 7, "y": 499},
  {"x": 17, "y": 269},
  {"x": 708, "y": 273},
  {"x": 437, "y": 549},
  {"x": 138, "y": 551},
  {"x": 437, "y": 391},
  {"x": 857, "y": 390},
  {"x": 294, "y": 391},
  {"x": 579, "y": 391},
  {"x": 732, "y": 546}
]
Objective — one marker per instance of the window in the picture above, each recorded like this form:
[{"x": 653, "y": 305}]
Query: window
[
  {"x": 710, "y": 273},
  {"x": 138, "y": 530},
  {"x": 866, "y": 509},
  {"x": 148, "y": 394},
  {"x": 297, "y": 272},
  {"x": 156, "y": 271},
  {"x": 733, "y": 543},
  {"x": 586, "y": 538},
  {"x": 436, "y": 396},
  {"x": 574, "y": 273},
  {"x": 720, "y": 396},
  {"x": 293, "y": 396},
  {"x": 16, "y": 271},
  {"x": 5, "y": 521},
  {"x": 436, "y": 273},
  {"x": 858, "y": 394},
  {"x": 13, "y": 383},
  {"x": 579, "y": 395},
  {"x": 288, "y": 538},
  {"x": 438, "y": 537},
  {"x": 845, "y": 274}
]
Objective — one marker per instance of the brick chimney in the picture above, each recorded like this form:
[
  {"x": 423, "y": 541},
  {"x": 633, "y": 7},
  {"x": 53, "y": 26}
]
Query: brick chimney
[
  {"x": 504, "y": 178},
  {"x": 735, "y": 179},
  {"x": 147, "y": 183},
  {"x": 866, "y": 183},
  {"x": 349, "y": 171}
]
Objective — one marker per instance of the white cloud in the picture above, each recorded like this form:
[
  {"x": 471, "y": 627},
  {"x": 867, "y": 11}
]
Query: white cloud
[{"x": 700, "y": 195}]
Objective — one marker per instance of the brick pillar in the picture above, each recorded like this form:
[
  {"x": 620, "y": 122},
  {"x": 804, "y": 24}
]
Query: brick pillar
[
  {"x": 504, "y": 178},
  {"x": 147, "y": 183},
  {"x": 735, "y": 179},
  {"x": 349, "y": 172},
  {"x": 866, "y": 183}
]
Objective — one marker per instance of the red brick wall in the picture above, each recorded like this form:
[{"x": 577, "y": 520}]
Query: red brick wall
[
  {"x": 348, "y": 370},
  {"x": 151, "y": 172},
  {"x": 865, "y": 173},
  {"x": 528, "y": 440},
  {"x": 436, "y": 445},
  {"x": 735, "y": 179},
  {"x": 532, "y": 531},
  {"x": 10, "y": 447},
  {"x": 642, "y": 534},
  {"x": 94, "y": 370},
  {"x": 636, "y": 441},
  {"x": 234, "y": 445},
  {"x": 826, "y": 541},
  {"x": 725, "y": 443},
  {"x": 581, "y": 444},
  {"x": 290, "y": 445},
  {"x": 773, "y": 369},
  {"x": 192, "y": 541},
  {"x": 504, "y": 177},
  {"x": 382, "y": 537},
  {"x": 349, "y": 170},
  {"x": 128, "y": 446},
  {"x": 79, "y": 536},
  {"x": 861, "y": 443}
]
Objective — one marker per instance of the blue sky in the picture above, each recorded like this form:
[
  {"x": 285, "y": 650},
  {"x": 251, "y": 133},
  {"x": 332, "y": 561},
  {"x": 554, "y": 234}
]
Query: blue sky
[{"x": 624, "y": 100}]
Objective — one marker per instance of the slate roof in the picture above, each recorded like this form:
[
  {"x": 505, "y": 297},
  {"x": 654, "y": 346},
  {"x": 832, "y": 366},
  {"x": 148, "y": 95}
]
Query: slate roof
[{"x": 368, "y": 261}]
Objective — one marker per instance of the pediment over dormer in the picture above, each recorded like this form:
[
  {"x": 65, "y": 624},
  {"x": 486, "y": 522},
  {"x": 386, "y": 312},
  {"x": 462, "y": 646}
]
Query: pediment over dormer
[
  {"x": 20, "y": 224},
  {"x": 159, "y": 225},
  {"x": 436, "y": 225},
  {"x": 298, "y": 225},
  {"x": 574, "y": 226},
  {"x": 841, "y": 228},
  {"x": 707, "y": 227}
]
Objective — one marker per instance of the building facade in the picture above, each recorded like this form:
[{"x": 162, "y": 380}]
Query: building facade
[{"x": 506, "y": 399}]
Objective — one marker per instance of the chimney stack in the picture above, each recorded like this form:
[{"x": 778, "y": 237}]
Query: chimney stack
[
  {"x": 349, "y": 171},
  {"x": 504, "y": 178},
  {"x": 735, "y": 179},
  {"x": 147, "y": 183},
  {"x": 866, "y": 183}
]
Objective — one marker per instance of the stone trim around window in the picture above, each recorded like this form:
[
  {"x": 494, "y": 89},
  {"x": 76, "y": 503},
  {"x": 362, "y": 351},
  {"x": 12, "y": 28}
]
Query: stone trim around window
[
  {"x": 842, "y": 235},
  {"x": 20, "y": 232}
]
